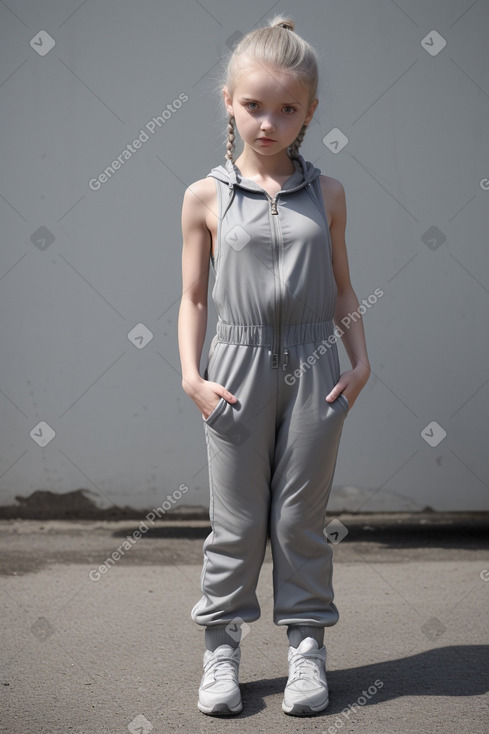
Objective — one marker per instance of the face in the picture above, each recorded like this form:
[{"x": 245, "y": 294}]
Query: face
[{"x": 270, "y": 106}]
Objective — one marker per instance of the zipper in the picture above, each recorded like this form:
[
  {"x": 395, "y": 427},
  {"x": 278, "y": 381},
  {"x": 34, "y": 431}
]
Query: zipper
[
  {"x": 277, "y": 334},
  {"x": 277, "y": 245},
  {"x": 286, "y": 360}
]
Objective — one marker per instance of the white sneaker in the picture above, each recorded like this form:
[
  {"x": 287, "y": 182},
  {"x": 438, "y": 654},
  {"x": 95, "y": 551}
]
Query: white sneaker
[
  {"x": 306, "y": 691},
  {"x": 219, "y": 693}
]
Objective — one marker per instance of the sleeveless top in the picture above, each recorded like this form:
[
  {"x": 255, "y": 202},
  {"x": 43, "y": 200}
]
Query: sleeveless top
[{"x": 273, "y": 257}]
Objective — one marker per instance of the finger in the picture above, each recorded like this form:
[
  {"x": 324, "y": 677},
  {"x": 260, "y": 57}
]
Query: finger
[
  {"x": 228, "y": 396},
  {"x": 337, "y": 390}
]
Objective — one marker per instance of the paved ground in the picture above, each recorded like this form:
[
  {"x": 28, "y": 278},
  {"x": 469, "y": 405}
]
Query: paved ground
[{"x": 119, "y": 653}]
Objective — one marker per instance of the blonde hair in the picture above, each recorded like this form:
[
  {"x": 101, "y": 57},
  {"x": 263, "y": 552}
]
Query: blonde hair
[{"x": 275, "y": 45}]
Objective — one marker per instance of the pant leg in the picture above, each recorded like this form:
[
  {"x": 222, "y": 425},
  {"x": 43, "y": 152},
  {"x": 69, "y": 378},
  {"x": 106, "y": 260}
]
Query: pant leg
[
  {"x": 305, "y": 460},
  {"x": 239, "y": 440}
]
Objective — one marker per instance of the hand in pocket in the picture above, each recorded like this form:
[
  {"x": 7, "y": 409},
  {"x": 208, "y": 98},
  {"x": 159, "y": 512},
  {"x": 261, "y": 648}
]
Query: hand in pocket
[{"x": 206, "y": 395}]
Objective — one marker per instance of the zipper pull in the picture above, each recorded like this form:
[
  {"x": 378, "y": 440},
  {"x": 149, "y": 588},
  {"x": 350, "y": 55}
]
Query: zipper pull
[
  {"x": 286, "y": 359},
  {"x": 273, "y": 206},
  {"x": 274, "y": 360}
]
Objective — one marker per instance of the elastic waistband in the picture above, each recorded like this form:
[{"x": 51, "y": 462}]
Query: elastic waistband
[{"x": 261, "y": 335}]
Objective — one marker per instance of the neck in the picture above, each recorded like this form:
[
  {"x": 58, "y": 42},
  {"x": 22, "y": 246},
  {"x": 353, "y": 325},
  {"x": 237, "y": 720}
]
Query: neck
[{"x": 252, "y": 164}]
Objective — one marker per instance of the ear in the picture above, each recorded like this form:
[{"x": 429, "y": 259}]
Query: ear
[
  {"x": 310, "y": 111},
  {"x": 228, "y": 100}
]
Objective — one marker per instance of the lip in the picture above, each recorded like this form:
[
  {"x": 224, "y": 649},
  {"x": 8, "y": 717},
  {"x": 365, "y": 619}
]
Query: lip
[{"x": 267, "y": 140}]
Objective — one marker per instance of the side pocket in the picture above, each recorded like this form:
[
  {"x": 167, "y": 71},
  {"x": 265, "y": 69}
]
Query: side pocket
[
  {"x": 344, "y": 402},
  {"x": 216, "y": 412}
]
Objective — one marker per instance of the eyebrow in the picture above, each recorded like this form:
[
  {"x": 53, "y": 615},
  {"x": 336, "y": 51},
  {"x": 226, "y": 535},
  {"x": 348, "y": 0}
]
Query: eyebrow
[{"x": 254, "y": 99}]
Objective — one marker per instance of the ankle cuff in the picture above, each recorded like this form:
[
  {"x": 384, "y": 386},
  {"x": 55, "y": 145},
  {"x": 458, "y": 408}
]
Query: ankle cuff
[
  {"x": 222, "y": 634},
  {"x": 298, "y": 632}
]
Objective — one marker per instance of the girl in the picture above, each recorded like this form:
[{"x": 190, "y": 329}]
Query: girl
[{"x": 272, "y": 399}]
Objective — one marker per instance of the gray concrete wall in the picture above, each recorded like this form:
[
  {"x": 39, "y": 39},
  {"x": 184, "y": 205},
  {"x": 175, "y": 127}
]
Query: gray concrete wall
[{"x": 90, "y": 387}]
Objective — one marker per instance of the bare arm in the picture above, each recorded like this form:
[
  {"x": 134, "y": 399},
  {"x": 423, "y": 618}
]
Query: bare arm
[
  {"x": 192, "y": 317},
  {"x": 352, "y": 381}
]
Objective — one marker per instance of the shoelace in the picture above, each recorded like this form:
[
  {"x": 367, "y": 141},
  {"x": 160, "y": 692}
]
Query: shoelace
[
  {"x": 304, "y": 665},
  {"x": 222, "y": 668}
]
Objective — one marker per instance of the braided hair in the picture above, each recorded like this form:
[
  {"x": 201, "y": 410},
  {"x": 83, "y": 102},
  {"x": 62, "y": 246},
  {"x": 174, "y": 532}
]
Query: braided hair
[
  {"x": 275, "y": 45},
  {"x": 230, "y": 141}
]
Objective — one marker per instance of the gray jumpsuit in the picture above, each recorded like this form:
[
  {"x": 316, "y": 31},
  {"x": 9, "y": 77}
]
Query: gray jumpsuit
[{"x": 272, "y": 454}]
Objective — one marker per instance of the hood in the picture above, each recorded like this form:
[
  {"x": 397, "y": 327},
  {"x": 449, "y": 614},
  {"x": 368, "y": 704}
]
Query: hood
[{"x": 305, "y": 172}]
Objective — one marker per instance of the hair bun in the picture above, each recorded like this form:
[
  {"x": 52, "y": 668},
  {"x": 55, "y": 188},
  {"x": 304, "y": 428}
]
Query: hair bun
[{"x": 289, "y": 25}]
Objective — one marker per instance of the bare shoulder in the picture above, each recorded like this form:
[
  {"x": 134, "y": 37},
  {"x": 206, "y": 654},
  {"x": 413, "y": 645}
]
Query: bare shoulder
[
  {"x": 203, "y": 187},
  {"x": 199, "y": 204},
  {"x": 331, "y": 184},
  {"x": 334, "y": 198},
  {"x": 200, "y": 192},
  {"x": 332, "y": 188}
]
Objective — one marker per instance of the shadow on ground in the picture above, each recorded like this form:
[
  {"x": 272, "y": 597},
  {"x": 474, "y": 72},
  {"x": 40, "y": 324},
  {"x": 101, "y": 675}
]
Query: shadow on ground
[
  {"x": 405, "y": 534},
  {"x": 457, "y": 670}
]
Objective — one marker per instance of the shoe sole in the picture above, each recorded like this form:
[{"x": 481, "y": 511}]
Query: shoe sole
[
  {"x": 300, "y": 709},
  {"x": 221, "y": 709}
]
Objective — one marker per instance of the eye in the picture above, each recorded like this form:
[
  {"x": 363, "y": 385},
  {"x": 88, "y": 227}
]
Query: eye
[
  {"x": 249, "y": 105},
  {"x": 289, "y": 110}
]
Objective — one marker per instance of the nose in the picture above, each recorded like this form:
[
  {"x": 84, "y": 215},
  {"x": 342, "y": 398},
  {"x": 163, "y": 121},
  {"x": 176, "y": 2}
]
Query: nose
[{"x": 267, "y": 124}]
